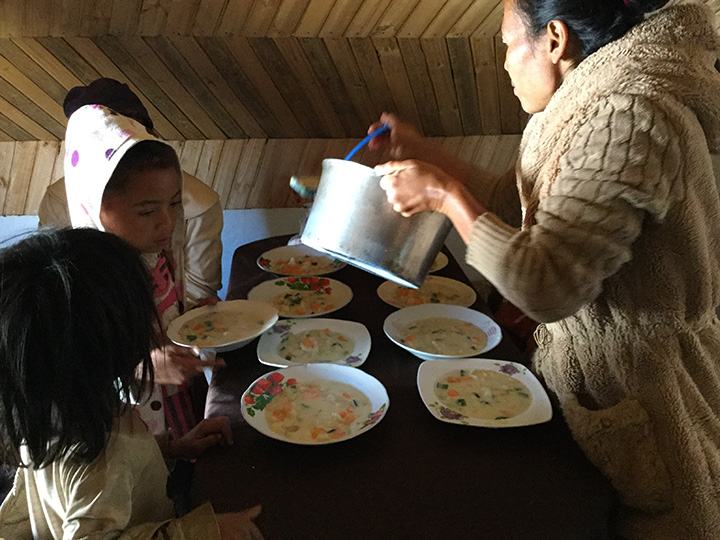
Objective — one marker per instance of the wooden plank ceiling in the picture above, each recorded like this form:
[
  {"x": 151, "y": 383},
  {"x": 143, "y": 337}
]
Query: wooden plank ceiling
[
  {"x": 234, "y": 69},
  {"x": 252, "y": 91}
]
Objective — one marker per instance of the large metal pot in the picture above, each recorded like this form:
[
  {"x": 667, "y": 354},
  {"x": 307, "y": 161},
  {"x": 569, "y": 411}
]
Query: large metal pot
[{"x": 352, "y": 220}]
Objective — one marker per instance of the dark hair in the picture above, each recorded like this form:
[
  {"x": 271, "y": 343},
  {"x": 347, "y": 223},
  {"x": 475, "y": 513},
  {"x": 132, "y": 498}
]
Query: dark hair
[
  {"x": 111, "y": 94},
  {"x": 594, "y": 23},
  {"x": 77, "y": 319},
  {"x": 144, "y": 156}
]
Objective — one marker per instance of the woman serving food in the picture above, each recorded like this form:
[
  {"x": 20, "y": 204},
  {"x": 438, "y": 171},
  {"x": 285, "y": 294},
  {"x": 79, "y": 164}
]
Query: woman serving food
[{"x": 615, "y": 249}]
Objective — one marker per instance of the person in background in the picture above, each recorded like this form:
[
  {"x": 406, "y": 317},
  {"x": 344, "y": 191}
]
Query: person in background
[
  {"x": 618, "y": 249},
  {"x": 66, "y": 351},
  {"x": 201, "y": 204},
  {"x": 121, "y": 179}
]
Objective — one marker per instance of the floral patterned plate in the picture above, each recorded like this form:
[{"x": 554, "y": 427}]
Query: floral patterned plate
[
  {"x": 262, "y": 391},
  {"x": 440, "y": 262},
  {"x": 435, "y": 290},
  {"x": 431, "y": 374},
  {"x": 300, "y": 297},
  {"x": 297, "y": 342},
  {"x": 298, "y": 260}
]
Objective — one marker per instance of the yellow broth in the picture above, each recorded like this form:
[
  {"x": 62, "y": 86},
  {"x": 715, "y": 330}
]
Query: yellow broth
[
  {"x": 320, "y": 345},
  {"x": 219, "y": 328},
  {"x": 444, "y": 335},
  {"x": 318, "y": 411},
  {"x": 482, "y": 393}
]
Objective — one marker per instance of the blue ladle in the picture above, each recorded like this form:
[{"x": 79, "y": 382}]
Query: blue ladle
[{"x": 378, "y": 131}]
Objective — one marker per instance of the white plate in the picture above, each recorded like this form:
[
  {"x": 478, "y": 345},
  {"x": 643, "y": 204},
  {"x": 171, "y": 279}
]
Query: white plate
[
  {"x": 429, "y": 373},
  {"x": 263, "y": 313},
  {"x": 270, "y": 342},
  {"x": 263, "y": 389},
  {"x": 309, "y": 262},
  {"x": 330, "y": 291},
  {"x": 435, "y": 290},
  {"x": 395, "y": 322},
  {"x": 439, "y": 263}
]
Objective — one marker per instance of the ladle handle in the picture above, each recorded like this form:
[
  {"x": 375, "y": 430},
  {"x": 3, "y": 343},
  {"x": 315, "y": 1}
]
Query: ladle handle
[{"x": 378, "y": 131}]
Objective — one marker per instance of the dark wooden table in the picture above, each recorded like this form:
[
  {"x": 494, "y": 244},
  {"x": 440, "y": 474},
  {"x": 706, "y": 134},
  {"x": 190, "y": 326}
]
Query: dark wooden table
[{"x": 411, "y": 476}]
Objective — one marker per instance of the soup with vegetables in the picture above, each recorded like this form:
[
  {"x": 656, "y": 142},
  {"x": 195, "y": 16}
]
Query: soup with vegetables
[
  {"x": 302, "y": 303},
  {"x": 443, "y": 335},
  {"x": 321, "y": 345},
  {"x": 482, "y": 393},
  {"x": 317, "y": 411},
  {"x": 304, "y": 265},
  {"x": 219, "y": 328},
  {"x": 428, "y": 293}
]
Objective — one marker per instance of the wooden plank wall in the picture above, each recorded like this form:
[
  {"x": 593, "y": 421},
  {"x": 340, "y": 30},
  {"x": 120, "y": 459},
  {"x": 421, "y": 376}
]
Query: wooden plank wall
[{"x": 247, "y": 173}]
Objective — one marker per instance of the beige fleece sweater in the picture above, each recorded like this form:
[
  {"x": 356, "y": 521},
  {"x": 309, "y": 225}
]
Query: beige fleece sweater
[{"x": 619, "y": 256}]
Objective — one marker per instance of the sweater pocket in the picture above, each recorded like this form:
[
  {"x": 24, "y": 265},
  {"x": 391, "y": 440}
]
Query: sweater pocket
[{"x": 620, "y": 441}]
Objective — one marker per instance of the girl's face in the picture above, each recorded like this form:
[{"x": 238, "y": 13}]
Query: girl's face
[
  {"x": 534, "y": 76},
  {"x": 145, "y": 210}
]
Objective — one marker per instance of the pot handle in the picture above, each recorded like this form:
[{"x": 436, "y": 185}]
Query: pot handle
[{"x": 362, "y": 143}]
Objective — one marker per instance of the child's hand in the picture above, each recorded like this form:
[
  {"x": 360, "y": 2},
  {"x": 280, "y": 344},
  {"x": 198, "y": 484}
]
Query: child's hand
[
  {"x": 239, "y": 525},
  {"x": 175, "y": 364},
  {"x": 207, "y": 301},
  {"x": 207, "y": 433}
]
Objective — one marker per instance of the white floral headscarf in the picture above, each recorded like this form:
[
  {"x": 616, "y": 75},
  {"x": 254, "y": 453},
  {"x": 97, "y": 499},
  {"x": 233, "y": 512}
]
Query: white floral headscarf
[{"x": 95, "y": 141}]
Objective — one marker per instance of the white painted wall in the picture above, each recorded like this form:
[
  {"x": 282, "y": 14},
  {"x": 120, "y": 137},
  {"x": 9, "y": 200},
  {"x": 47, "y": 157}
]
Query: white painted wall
[{"x": 241, "y": 227}]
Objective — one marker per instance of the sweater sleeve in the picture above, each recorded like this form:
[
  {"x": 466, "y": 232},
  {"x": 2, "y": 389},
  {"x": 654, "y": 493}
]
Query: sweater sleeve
[
  {"x": 616, "y": 173},
  {"x": 497, "y": 194},
  {"x": 200, "y": 523},
  {"x": 203, "y": 254}
]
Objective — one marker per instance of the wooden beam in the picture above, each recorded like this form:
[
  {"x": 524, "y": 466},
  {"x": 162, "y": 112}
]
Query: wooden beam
[
  {"x": 338, "y": 94},
  {"x": 464, "y": 75},
  {"x": 20, "y": 175},
  {"x": 25, "y": 64},
  {"x": 269, "y": 108},
  {"x": 246, "y": 174},
  {"x": 45, "y": 157},
  {"x": 203, "y": 66},
  {"x": 286, "y": 80},
  {"x": 318, "y": 102},
  {"x": 440, "y": 70},
  {"x": 397, "y": 79},
  {"x": 372, "y": 73},
  {"x": 422, "y": 88},
  {"x": 51, "y": 65},
  {"x": 167, "y": 81}
]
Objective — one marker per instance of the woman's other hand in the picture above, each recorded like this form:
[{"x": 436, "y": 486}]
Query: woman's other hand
[
  {"x": 207, "y": 433},
  {"x": 401, "y": 141},
  {"x": 413, "y": 186},
  {"x": 174, "y": 364},
  {"x": 239, "y": 525}
]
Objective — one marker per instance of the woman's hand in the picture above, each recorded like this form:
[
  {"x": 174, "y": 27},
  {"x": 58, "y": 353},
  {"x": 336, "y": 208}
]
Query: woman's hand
[
  {"x": 174, "y": 364},
  {"x": 207, "y": 433},
  {"x": 239, "y": 525},
  {"x": 413, "y": 186}
]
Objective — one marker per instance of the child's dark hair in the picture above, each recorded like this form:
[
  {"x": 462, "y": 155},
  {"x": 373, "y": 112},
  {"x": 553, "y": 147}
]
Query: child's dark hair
[
  {"x": 77, "y": 319},
  {"x": 594, "y": 23},
  {"x": 143, "y": 156}
]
